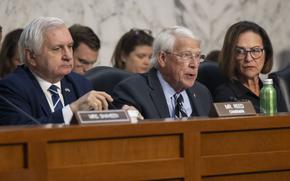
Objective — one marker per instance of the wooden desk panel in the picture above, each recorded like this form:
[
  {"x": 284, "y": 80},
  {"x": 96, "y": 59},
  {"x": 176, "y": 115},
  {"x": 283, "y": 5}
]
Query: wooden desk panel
[
  {"x": 13, "y": 157},
  {"x": 267, "y": 176},
  {"x": 257, "y": 140},
  {"x": 200, "y": 149},
  {"x": 99, "y": 151},
  {"x": 246, "y": 149}
]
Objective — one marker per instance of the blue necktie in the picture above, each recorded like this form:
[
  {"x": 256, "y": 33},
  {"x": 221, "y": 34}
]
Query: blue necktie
[
  {"x": 55, "y": 98},
  {"x": 179, "y": 109}
]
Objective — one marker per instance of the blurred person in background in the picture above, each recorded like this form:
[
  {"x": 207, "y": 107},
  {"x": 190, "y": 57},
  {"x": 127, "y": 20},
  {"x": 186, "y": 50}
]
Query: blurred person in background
[
  {"x": 0, "y": 34},
  {"x": 85, "y": 48},
  {"x": 213, "y": 56},
  {"x": 9, "y": 56},
  {"x": 133, "y": 51}
]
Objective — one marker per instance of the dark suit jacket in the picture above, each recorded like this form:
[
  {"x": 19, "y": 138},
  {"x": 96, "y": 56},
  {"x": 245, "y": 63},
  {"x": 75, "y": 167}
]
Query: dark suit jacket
[
  {"x": 144, "y": 92},
  {"x": 22, "y": 89}
]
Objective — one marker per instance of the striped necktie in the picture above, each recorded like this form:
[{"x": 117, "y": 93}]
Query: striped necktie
[
  {"x": 179, "y": 109},
  {"x": 55, "y": 97}
]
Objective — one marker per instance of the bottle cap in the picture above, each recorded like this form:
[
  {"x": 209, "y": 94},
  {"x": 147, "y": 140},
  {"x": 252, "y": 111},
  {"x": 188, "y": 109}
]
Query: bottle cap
[{"x": 268, "y": 81}]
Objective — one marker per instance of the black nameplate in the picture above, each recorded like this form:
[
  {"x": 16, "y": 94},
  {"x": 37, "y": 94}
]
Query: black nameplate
[
  {"x": 226, "y": 109},
  {"x": 109, "y": 116}
]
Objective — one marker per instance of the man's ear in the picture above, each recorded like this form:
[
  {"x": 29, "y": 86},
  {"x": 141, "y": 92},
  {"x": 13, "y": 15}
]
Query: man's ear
[
  {"x": 161, "y": 59},
  {"x": 30, "y": 57}
]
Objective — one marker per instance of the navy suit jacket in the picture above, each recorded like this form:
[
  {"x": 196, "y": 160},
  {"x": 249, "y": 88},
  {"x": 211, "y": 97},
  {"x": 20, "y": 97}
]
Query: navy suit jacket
[
  {"x": 145, "y": 93},
  {"x": 23, "y": 90}
]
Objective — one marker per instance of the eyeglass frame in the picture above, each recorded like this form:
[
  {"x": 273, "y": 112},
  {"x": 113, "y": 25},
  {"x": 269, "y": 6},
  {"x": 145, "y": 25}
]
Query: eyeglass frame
[
  {"x": 249, "y": 50},
  {"x": 193, "y": 56}
]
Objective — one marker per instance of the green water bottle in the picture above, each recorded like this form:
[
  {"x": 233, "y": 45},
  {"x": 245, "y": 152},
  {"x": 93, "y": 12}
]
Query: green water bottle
[{"x": 268, "y": 98}]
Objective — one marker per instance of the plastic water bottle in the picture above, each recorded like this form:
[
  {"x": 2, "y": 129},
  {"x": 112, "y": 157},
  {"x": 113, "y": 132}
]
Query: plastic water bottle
[{"x": 268, "y": 98}]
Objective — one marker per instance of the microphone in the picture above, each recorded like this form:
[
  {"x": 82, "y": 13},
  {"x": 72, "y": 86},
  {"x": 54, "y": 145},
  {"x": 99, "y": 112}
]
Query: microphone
[{"x": 20, "y": 110}]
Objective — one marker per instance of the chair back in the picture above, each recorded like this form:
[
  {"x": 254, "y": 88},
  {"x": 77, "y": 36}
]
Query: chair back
[
  {"x": 281, "y": 81},
  {"x": 105, "y": 78},
  {"x": 209, "y": 74}
]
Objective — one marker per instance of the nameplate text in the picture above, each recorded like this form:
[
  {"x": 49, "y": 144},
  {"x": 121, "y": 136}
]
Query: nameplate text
[
  {"x": 109, "y": 116},
  {"x": 226, "y": 109}
]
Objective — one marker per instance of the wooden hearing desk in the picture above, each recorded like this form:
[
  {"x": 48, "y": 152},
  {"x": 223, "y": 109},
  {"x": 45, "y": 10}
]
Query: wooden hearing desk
[{"x": 207, "y": 149}]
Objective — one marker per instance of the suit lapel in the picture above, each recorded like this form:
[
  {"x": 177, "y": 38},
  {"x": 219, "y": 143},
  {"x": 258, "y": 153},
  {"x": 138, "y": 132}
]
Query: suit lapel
[
  {"x": 157, "y": 95},
  {"x": 195, "y": 103},
  {"x": 40, "y": 96},
  {"x": 67, "y": 91}
]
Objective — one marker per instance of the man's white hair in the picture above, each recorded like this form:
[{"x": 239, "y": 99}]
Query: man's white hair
[
  {"x": 166, "y": 38},
  {"x": 32, "y": 35}
]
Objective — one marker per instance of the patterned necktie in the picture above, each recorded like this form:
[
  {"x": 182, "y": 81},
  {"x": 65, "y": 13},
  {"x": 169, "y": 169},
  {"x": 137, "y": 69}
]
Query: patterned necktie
[
  {"x": 55, "y": 97},
  {"x": 179, "y": 109}
]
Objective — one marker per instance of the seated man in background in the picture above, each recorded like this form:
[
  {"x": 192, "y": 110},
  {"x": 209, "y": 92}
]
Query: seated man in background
[
  {"x": 169, "y": 89},
  {"x": 44, "y": 90},
  {"x": 213, "y": 56},
  {"x": 85, "y": 48}
]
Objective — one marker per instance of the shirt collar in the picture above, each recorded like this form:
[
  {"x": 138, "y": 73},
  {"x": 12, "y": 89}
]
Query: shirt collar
[
  {"x": 240, "y": 90},
  {"x": 45, "y": 84},
  {"x": 168, "y": 90}
]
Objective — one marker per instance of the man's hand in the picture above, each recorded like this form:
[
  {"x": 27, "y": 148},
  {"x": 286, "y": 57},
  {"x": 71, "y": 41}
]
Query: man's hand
[{"x": 93, "y": 100}]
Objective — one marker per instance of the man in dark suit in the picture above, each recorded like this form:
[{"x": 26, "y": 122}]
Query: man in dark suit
[
  {"x": 169, "y": 89},
  {"x": 44, "y": 90}
]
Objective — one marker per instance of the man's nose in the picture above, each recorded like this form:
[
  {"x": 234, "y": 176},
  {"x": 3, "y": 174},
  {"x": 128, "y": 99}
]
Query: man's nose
[
  {"x": 194, "y": 62},
  {"x": 67, "y": 53}
]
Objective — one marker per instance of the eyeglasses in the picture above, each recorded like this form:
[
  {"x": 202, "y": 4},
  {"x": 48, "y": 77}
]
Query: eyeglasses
[
  {"x": 186, "y": 56},
  {"x": 255, "y": 52},
  {"x": 138, "y": 31}
]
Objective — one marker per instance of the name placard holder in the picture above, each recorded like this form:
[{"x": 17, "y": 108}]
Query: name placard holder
[
  {"x": 109, "y": 116},
  {"x": 228, "y": 109}
]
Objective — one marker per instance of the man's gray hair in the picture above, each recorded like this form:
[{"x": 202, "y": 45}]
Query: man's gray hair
[
  {"x": 166, "y": 38},
  {"x": 32, "y": 35}
]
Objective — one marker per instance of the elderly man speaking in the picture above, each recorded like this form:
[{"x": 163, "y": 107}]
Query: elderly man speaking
[{"x": 169, "y": 89}]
